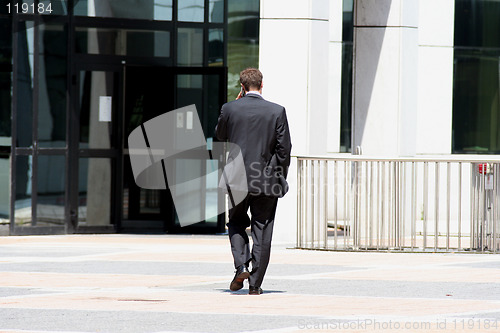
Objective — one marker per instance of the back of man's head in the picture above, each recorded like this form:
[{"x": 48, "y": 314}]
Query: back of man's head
[{"x": 251, "y": 78}]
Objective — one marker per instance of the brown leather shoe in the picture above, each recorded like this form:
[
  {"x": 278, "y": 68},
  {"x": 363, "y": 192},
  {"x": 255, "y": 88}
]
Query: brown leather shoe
[
  {"x": 255, "y": 290},
  {"x": 242, "y": 273}
]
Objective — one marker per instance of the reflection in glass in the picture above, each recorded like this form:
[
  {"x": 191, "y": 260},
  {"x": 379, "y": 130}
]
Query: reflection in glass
[
  {"x": 24, "y": 167},
  {"x": 216, "y": 11},
  {"x": 128, "y": 9},
  {"x": 191, "y": 10},
  {"x": 211, "y": 115},
  {"x": 5, "y": 185},
  {"x": 189, "y": 91},
  {"x": 24, "y": 84},
  {"x": 477, "y": 23},
  {"x": 216, "y": 47},
  {"x": 97, "y": 108},
  {"x": 243, "y": 41},
  {"x": 5, "y": 41},
  {"x": 94, "y": 185},
  {"x": 51, "y": 190},
  {"x": 346, "y": 89},
  {"x": 5, "y": 104},
  {"x": 52, "y": 78},
  {"x": 476, "y": 87},
  {"x": 346, "y": 97},
  {"x": 190, "y": 47},
  {"x": 137, "y": 43},
  {"x": 476, "y": 101}
]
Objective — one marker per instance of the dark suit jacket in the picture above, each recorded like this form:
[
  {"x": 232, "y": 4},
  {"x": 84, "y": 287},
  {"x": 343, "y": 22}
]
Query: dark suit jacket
[{"x": 260, "y": 129}]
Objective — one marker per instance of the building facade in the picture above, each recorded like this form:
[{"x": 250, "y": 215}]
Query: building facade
[{"x": 393, "y": 77}]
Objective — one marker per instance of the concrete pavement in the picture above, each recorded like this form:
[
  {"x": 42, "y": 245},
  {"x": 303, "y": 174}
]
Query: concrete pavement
[{"x": 165, "y": 283}]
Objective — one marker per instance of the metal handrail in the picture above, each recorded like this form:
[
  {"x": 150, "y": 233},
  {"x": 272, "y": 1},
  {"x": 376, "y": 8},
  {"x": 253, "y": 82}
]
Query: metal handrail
[{"x": 400, "y": 204}]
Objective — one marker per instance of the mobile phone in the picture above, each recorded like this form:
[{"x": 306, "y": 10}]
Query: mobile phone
[{"x": 242, "y": 92}]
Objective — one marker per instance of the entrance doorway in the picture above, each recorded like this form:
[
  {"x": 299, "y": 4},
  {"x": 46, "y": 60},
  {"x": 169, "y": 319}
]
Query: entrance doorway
[
  {"x": 111, "y": 103},
  {"x": 151, "y": 92}
]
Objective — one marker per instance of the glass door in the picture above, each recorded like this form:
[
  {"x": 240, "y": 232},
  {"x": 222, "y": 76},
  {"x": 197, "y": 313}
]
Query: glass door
[
  {"x": 151, "y": 92},
  {"x": 95, "y": 157}
]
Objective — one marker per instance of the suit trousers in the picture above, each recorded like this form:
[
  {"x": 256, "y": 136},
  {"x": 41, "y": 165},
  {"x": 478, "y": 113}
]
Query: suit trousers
[{"x": 262, "y": 209}]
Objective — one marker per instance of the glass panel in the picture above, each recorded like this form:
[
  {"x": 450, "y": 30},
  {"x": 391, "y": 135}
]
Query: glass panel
[
  {"x": 50, "y": 209},
  {"x": 347, "y": 20},
  {"x": 346, "y": 98},
  {"x": 5, "y": 9},
  {"x": 149, "y": 202},
  {"x": 477, "y": 23},
  {"x": 5, "y": 79},
  {"x": 5, "y": 185},
  {"x": 216, "y": 47},
  {"x": 189, "y": 91},
  {"x": 191, "y": 10},
  {"x": 216, "y": 11},
  {"x": 130, "y": 9},
  {"x": 476, "y": 119},
  {"x": 243, "y": 41},
  {"x": 94, "y": 186},
  {"x": 139, "y": 43},
  {"x": 23, "y": 190},
  {"x": 190, "y": 47},
  {"x": 476, "y": 108},
  {"x": 346, "y": 88},
  {"x": 5, "y": 107},
  {"x": 5, "y": 41},
  {"x": 214, "y": 103},
  {"x": 52, "y": 86},
  {"x": 24, "y": 84},
  {"x": 97, "y": 109}
]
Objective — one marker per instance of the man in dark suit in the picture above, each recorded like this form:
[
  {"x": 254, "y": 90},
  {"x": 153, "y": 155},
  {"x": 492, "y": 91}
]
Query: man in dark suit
[{"x": 257, "y": 129}]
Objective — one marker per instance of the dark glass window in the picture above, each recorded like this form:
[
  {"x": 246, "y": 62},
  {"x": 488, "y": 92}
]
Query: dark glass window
[
  {"x": 476, "y": 106},
  {"x": 190, "y": 47},
  {"x": 128, "y": 9},
  {"x": 25, "y": 63},
  {"x": 346, "y": 89},
  {"x": 123, "y": 42},
  {"x": 243, "y": 41},
  {"x": 216, "y": 11},
  {"x": 51, "y": 190},
  {"x": 216, "y": 47},
  {"x": 52, "y": 80},
  {"x": 5, "y": 76},
  {"x": 191, "y": 10}
]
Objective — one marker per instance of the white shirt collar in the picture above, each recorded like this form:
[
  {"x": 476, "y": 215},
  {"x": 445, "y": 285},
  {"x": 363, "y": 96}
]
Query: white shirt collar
[{"x": 254, "y": 92}]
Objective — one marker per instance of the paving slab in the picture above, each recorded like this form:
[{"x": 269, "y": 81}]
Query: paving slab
[{"x": 179, "y": 283}]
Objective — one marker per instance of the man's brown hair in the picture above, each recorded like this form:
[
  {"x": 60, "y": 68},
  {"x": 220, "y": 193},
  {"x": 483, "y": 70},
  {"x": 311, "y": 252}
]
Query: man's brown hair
[{"x": 251, "y": 78}]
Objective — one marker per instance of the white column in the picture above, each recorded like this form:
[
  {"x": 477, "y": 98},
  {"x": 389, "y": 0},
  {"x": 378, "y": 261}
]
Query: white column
[
  {"x": 435, "y": 81},
  {"x": 385, "y": 76},
  {"x": 335, "y": 75},
  {"x": 293, "y": 58}
]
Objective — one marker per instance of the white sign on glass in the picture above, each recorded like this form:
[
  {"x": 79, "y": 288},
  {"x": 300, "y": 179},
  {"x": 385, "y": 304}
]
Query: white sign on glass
[{"x": 105, "y": 108}]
